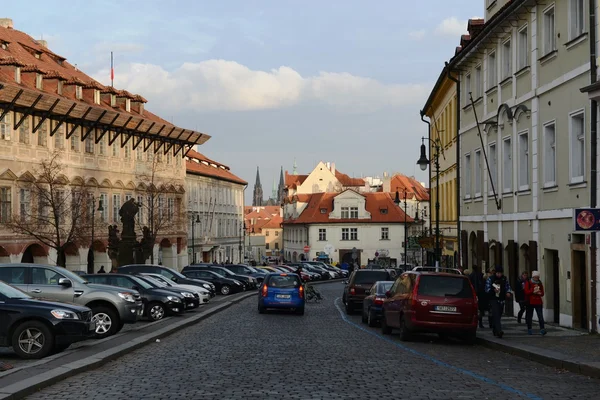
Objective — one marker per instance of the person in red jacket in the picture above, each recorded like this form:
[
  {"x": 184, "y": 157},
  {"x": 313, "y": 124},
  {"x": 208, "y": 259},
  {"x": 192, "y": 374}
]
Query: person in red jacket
[{"x": 534, "y": 292}]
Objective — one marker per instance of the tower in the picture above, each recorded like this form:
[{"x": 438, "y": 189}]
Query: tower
[
  {"x": 257, "y": 199},
  {"x": 274, "y": 191},
  {"x": 281, "y": 188}
]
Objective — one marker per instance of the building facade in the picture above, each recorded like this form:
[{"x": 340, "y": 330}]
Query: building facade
[
  {"x": 265, "y": 233},
  {"x": 104, "y": 143},
  {"x": 215, "y": 198},
  {"x": 526, "y": 165}
]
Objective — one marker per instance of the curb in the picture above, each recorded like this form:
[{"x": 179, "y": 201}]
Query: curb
[
  {"x": 31, "y": 385},
  {"x": 547, "y": 357}
]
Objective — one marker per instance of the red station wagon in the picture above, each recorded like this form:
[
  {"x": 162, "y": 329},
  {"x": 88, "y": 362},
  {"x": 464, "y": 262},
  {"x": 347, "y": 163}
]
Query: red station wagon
[{"x": 424, "y": 301}]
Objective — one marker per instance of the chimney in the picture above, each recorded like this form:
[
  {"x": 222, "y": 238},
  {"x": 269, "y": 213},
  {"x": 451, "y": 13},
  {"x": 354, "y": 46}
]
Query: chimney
[
  {"x": 328, "y": 164},
  {"x": 387, "y": 183},
  {"x": 42, "y": 43},
  {"x": 332, "y": 168},
  {"x": 6, "y": 23}
]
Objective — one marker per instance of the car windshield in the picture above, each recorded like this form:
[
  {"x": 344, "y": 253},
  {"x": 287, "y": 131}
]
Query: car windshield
[
  {"x": 161, "y": 279},
  {"x": 72, "y": 276},
  {"x": 142, "y": 282},
  {"x": 370, "y": 277},
  {"x": 218, "y": 275},
  {"x": 224, "y": 271},
  {"x": 384, "y": 286},
  {"x": 444, "y": 286},
  {"x": 284, "y": 281},
  {"x": 11, "y": 292}
]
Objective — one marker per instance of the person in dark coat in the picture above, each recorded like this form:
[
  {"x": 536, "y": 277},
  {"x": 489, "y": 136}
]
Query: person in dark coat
[
  {"x": 478, "y": 282},
  {"x": 102, "y": 271},
  {"x": 498, "y": 288},
  {"x": 520, "y": 295}
]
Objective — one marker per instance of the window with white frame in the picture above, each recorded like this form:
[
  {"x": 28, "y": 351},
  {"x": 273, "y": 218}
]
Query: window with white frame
[
  {"x": 354, "y": 212},
  {"x": 577, "y": 153},
  {"x": 507, "y": 165},
  {"x": 478, "y": 174},
  {"x": 5, "y": 126},
  {"x": 102, "y": 146},
  {"x": 523, "y": 48},
  {"x": 24, "y": 203},
  {"x": 116, "y": 207},
  {"x": 549, "y": 154},
  {"x": 322, "y": 234},
  {"x": 549, "y": 31},
  {"x": 42, "y": 134},
  {"x": 385, "y": 233},
  {"x": 345, "y": 213},
  {"x": 104, "y": 209},
  {"x": 171, "y": 209},
  {"x": 345, "y": 234},
  {"x": 24, "y": 131},
  {"x": 506, "y": 59},
  {"x": 576, "y": 18},
  {"x": 478, "y": 82},
  {"x": 523, "y": 161},
  {"x": 493, "y": 160},
  {"x": 353, "y": 233},
  {"x": 468, "y": 175},
  {"x": 89, "y": 144},
  {"x": 467, "y": 88},
  {"x": 492, "y": 75},
  {"x": 59, "y": 137},
  {"x": 5, "y": 204}
]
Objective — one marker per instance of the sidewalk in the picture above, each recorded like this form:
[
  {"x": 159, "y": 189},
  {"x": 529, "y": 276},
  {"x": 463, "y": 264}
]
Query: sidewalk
[{"x": 562, "y": 348}]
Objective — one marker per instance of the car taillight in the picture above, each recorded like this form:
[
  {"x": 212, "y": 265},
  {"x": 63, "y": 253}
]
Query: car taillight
[
  {"x": 352, "y": 291},
  {"x": 301, "y": 292},
  {"x": 379, "y": 300},
  {"x": 265, "y": 291}
]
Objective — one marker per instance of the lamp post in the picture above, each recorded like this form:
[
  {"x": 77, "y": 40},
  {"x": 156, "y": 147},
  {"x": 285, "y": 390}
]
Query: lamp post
[
  {"x": 90, "y": 265},
  {"x": 423, "y": 163},
  {"x": 194, "y": 221},
  {"x": 397, "y": 201}
]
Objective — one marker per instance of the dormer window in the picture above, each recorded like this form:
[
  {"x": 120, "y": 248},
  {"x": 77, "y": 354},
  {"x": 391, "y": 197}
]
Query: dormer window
[
  {"x": 383, "y": 210},
  {"x": 128, "y": 105},
  {"x": 38, "y": 55},
  {"x": 113, "y": 100},
  {"x": 323, "y": 211},
  {"x": 96, "y": 96},
  {"x": 18, "y": 74},
  {"x": 78, "y": 92},
  {"x": 39, "y": 81},
  {"x": 4, "y": 46},
  {"x": 59, "y": 87}
]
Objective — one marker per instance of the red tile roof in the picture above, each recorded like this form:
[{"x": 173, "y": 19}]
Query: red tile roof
[
  {"x": 294, "y": 180},
  {"x": 346, "y": 181},
  {"x": 259, "y": 218},
  {"x": 414, "y": 189},
  {"x": 196, "y": 164},
  {"x": 376, "y": 204}
]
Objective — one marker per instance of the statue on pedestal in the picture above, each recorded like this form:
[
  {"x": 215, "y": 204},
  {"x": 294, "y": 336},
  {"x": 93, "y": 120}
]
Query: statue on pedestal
[{"x": 126, "y": 247}]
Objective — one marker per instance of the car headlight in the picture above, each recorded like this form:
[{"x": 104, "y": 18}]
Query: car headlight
[
  {"x": 64, "y": 314},
  {"x": 127, "y": 297},
  {"x": 238, "y": 283},
  {"x": 174, "y": 299},
  {"x": 187, "y": 294},
  {"x": 206, "y": 286}
]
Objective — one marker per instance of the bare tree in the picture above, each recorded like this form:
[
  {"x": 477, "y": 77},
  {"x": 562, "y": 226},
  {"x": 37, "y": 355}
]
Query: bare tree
[
  {"x": 51, "y": 210},
  {"x": 160, "y": 210}
]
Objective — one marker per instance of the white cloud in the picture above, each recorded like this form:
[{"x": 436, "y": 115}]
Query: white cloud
[
  {"x": 417, "y": 35},
  {"x": 451, "y": 26},
  {"x": 228, "y": 85}
]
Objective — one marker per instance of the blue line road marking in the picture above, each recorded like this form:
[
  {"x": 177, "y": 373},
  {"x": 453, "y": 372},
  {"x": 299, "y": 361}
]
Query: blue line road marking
[{"x": 436, "y": 361}]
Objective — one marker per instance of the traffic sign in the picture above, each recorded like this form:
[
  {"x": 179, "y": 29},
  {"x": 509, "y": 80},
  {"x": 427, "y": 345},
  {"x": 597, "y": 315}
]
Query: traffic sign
[{"x": 306, "y": 249}]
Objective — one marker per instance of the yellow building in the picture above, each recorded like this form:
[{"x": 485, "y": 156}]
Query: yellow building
[{"x": 441, "y": 109}]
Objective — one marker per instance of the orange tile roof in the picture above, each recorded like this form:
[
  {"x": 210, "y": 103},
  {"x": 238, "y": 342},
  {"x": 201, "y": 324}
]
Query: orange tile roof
[
  {"x": 294, "y": 180},
  {"x": 414, "y": 189},
  {"x": 375, "y": 202},
  {"x": 257, "y": 219},
  {"x": 196, "y": 164},
  {"x": 345, "y": 180},
  {"x": 24, "y": 51}
]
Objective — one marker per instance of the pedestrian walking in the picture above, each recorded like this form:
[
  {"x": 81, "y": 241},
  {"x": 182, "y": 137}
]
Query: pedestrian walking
[
  {"x": 498, "y": 288},
  {"x": 101, "y": 270},
  {"x": 534, "y": 291},
  {"x": 520, "y": 295},
  {"x": 478, "y": 281}
]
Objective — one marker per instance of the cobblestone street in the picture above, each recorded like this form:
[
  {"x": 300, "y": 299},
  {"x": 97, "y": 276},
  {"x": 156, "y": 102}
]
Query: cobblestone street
[{"x": 240, "y": 354}]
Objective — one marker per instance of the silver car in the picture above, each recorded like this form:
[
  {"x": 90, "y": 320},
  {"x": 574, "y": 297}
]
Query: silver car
[{"x": 111, "y": 306}]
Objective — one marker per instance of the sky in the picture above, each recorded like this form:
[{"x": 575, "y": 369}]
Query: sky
[{"x": 271, "y": 81}]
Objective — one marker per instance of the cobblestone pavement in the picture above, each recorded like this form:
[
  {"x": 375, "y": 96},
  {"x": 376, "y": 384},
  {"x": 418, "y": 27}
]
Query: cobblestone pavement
[{"x": 240, "y": 354}]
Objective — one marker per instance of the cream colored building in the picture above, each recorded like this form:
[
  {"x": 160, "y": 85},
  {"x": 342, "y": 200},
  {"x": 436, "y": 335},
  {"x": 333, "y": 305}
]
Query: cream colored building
[
  {"x": 527, "y": 165},
  {"x": 265, "y": 233}
]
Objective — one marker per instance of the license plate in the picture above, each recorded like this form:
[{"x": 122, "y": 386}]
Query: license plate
[
  {"x": 445, "y": 308},
  {"x": 92, "y": 327},
  {"x": 283, "y": 296}
]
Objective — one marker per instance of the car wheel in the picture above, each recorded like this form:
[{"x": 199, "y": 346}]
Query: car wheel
[
  {"x": 32, "y": 340},
  {"x": 156, "y": 311},
  {"x": 371, "y": 320},
  {"x": 404, "y": 332},
  {"x": 300, "y": 311},
  {"x": 385, "y": 329},
  {"x": 107, "y": 322},
  {"x": 225, "y": 290}
]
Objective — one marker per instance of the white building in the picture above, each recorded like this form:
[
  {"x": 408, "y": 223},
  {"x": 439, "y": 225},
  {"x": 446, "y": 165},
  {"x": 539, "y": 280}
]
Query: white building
[{"x": 215, "y": 210}]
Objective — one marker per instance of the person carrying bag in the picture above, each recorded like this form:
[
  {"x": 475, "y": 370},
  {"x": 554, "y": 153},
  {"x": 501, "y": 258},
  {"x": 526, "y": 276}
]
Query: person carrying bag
[{"x": 534, "y": 293}]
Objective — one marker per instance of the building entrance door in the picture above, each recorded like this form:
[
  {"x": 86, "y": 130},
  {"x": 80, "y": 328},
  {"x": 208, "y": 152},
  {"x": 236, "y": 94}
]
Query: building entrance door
[{"x": 580, "y": 285}]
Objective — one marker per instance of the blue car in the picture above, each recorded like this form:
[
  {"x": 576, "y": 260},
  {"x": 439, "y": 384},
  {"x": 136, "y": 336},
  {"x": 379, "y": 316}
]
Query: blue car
[{"x": 281, "y": 291}]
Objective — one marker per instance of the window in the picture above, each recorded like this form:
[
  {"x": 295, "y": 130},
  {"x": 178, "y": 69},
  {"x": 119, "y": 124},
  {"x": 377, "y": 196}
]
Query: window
[
  {"x": 523, "y": 161},
  {"x": 17, "y": 74},
  {"x": 96, "y": 96},
  {"x": 468, "y": 175},
  {"x": 576, "y": 18},
  {"x": 506, "y": 60},
  {"x": 523, "y": 49},
  {"x": 171, "y": 208},
  {"x": 115, "y": 148},
  {"x": 276, "y": 232},
  {"x": 127, "y": 151},
  {"x": 478, "y": 82},
  {"x": 140, "y": 214},
  {"x": 345, "y": 213},
  {"x": 322, "y": 234},
  {"x": 78, "y": 92},
  {"x": 5, "y": 204},
  {"x": 24, "y": 203},
  {"x": 478, "y": 174},
  {"x": 42, "y": 133},
  {"x": 59, "y": 87},
  {"x": 549, "y": 31},
  {"x": 577, "y": 138},
  {"x": 345, "y": 234},
  {"x": 5, "y": 126},
  {"x": 276, "y": 245},
  {"x": 75, "y": 141},
  {"x": 267, "y": 233},
  {"x": 102, "y": 147},
  {"x": 59, "y": 138},
  {"x": 385, "y": 233},
  {"x": 493, "y": 160},
  {"x": 507, "y": 163},
  {"x": 266, "y": 246},
  {"x": 24, "y": 131},
  {"x": 549, "y": 155},
  {"x": 323, "y": 211},
  {"x": 89, "y": 144},
  {"x": 491, "y": 70},
  {"x": 467, "y": 88},
  {"x": 353, "y": 233},
  {"x": 116, "y": 207},
  {"x": 354, "y": 212},
  {"x": 44, "y": 276},
  {"x": 39, "y": 81}
]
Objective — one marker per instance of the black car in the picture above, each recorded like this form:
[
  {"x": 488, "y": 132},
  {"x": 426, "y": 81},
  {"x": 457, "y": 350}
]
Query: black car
[
  {"x": 224, "y": 285},
  {"x": 373, "y": 302},
  {"x": 241, "y": 269},
  {"x": 157, "y": 302},
  {"x": 248, "y": 281},
  {"x": 190, "y": 300},
  {"x": 360, "y": 281},
  {"x": 35, "y": 328},
  {"x": 134, "y": 269}
]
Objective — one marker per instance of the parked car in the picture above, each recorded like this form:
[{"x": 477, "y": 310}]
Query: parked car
[
  {"x": 111, "y": 307},
  {"x": 158, "y": 303},
  {"x": 248, "y": 281},
  {"x": 431, "y": 302},
  {"x": 203, "y": 294},
  {"x": 190, "y": 299},
  {"x": 225, "y": 286},
  {"x": 246, "y": 271},
  {"x": 281, "y": 291},
  {"x": 360, "y": 281},
  {"x": 35, "y": 328},
  {"x": 373, "y": 302},
  {"x": 168, "y": 273}
]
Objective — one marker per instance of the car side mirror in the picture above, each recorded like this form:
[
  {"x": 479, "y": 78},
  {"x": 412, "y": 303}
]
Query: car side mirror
[
  {"x": 65, "y": 282},
  {"x": 388, "y": 294}
]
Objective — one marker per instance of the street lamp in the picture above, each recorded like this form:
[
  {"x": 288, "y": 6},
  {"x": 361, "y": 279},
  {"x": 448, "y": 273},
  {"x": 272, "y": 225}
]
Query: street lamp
[
  {"x": 194, "y": 221},
  {"x": 423, "y": 163},
  {"x": 90, "y": 264},
  {"x": 397, "y": 201}
]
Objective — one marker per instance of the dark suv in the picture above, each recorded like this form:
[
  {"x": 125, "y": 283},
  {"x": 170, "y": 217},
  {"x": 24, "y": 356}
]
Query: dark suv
[
  {"x": 360, "y": 281},
  {"x": 135, "y": 269}
]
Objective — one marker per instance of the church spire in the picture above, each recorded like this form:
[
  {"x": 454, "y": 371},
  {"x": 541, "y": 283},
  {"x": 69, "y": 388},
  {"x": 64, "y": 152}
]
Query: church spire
[
  {"x": 257, "y": 199},
  {"x": 274, "y": 191},
  {"x": 281, "y": 188}
]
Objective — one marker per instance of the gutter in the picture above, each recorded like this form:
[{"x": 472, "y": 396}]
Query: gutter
[
  {"x": 593, "y": 161},
  {"x": 458, "y": 159}
]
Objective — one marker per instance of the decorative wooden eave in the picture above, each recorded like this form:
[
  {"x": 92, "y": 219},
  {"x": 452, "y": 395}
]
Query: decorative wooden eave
[
  {"x": 74, "y": 81},
  {"x": 125, "y": 94},
  {"x": 9, "y": 60},
  {"x": 32, "y": 68},
  {"x": 53, "y": 74},
  {"x": 93, "y": 85},
  {"x": 139, "y": 99},
  {"x": 109, "y": 90}
]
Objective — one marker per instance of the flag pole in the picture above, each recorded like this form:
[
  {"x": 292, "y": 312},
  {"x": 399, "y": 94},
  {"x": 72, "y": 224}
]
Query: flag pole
[{"x": 112, "y": 71}]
